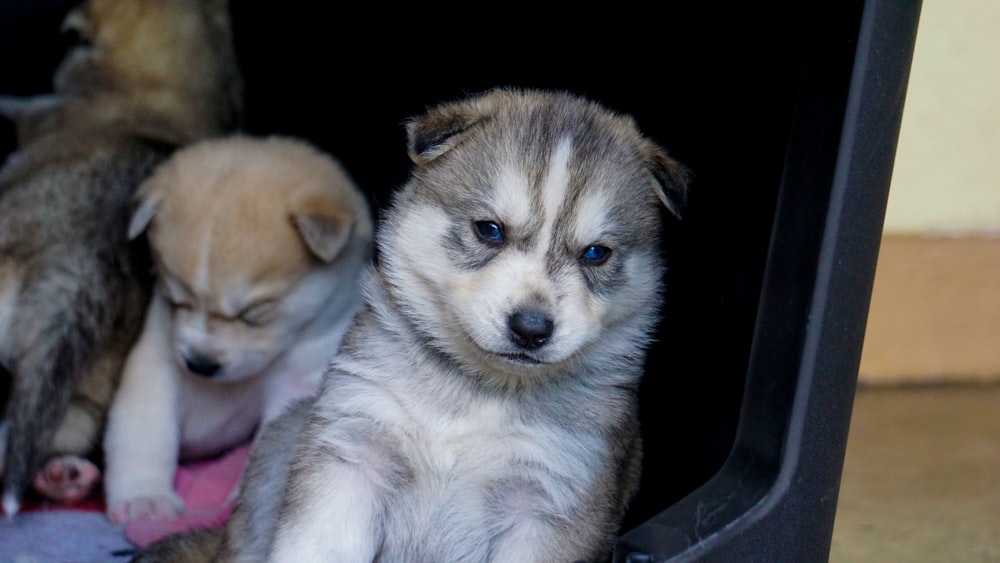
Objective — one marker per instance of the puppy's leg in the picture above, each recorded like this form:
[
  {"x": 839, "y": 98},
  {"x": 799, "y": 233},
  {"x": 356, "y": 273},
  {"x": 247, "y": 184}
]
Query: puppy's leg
[
  {"x": 247, "y": 534},
  {"x": 539, "y": 515},
  {"x": 250, "y": 528},
  {"x": 69, "y": 476},
  {"x": 339, "y": 487},
  {"x": 529, "y": 530},
  {"x": 58, "y": 324},
  {"x": 142, "y": 440}
]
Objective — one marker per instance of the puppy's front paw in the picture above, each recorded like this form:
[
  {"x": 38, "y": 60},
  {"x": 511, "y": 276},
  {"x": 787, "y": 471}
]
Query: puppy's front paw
[
  {"x": 67, "y": 478},
  {"x": 164, "y": 506}
]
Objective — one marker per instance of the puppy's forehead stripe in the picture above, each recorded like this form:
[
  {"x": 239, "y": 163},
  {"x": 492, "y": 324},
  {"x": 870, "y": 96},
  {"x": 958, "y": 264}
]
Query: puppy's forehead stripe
[
  {"x": 227, "y": 303},
  {"x": 556, "y": 184},
  {"x": 203, "y": 276},
  {"x": 534, "y": 199}
]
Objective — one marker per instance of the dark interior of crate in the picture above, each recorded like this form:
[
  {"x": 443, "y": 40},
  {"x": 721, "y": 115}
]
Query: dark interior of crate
[{"x": 717, "y": 87}]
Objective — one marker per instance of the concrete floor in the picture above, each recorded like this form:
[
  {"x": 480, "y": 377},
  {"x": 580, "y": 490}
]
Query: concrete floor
[{"x": 921, "y": 479}]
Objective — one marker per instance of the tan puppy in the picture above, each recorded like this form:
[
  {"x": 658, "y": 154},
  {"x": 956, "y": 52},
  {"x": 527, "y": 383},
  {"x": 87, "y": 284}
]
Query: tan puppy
[
  {"x": 146, "y": 77},
  {"x": 258, "y": 245}
]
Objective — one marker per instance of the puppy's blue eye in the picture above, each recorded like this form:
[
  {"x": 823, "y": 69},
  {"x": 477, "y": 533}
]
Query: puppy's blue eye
[
  {"x": 596, "y": 255},
  {"x": 489, "y": 232}
]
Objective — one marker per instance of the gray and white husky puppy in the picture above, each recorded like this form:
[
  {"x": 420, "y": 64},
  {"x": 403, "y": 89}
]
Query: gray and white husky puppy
[
  {"x": 484, "y": 406},
  {"x": 147, "y": 76}
]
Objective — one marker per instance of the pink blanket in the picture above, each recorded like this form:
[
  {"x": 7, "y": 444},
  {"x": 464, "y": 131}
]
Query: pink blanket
[{"x": 206, "y": 488}]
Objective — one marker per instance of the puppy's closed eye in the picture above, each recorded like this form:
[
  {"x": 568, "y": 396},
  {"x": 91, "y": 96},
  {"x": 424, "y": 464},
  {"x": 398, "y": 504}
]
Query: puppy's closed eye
[
  {"x": 175, "y": 293},
  {"x": 258, "y": 313}
]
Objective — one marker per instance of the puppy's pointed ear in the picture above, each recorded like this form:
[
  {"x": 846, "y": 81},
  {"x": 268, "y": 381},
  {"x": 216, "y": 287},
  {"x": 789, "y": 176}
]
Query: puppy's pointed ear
[
  {"x": 147, "y": 200},
  {"x": 671, "y": 176},
  {"x": 433, "y": 134},
  {"x": 437, "y": 131},
  {"x": 325, "y": 233}
]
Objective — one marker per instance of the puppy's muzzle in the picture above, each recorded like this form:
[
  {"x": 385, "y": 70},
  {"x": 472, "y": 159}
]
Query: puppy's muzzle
[
  {"x": 529, "y": 328},
  {"x": 202, "y": 365}
]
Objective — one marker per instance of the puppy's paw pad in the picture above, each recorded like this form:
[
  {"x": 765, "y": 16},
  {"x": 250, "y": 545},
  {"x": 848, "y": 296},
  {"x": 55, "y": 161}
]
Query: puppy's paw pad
[
  {"x": 159, "y": 507},
  {"x": 67, "y": 479}
]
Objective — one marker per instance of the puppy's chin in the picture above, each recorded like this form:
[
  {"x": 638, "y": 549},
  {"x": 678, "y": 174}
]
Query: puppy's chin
[
  {"x": 517, "y": 358},
  {"x": 508, "y": 366}
]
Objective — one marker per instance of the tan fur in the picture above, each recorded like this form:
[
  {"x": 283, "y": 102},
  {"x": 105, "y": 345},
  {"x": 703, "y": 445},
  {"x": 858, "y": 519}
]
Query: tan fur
[
  {"x": 163, "y": 69},
  {"x": 258, "y": 244},
  {"x": 146, "y": 77},
  {"x": 258, "y": 194}
]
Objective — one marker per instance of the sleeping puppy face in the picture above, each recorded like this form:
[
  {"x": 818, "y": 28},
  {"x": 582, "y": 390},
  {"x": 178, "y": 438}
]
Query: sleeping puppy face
[
  {"x": 231, "y": 319},
  {"x": 249, "y": 238}
]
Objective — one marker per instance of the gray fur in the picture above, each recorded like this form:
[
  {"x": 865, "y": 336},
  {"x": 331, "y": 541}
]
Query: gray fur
[
  {"x": 73, "y": 286},
  {"x": 422, "y": 445}
]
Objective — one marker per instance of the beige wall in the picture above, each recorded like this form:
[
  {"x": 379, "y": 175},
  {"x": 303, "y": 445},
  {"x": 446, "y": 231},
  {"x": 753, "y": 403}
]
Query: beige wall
[
  {"x": 935, "y": 313},
  {"x": 947, "y": 171}
]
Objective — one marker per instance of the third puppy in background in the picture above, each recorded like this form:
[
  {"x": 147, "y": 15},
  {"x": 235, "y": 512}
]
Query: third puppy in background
[
  {"x": 258, "y": 244},
  {"x": 143, "y": 78}
]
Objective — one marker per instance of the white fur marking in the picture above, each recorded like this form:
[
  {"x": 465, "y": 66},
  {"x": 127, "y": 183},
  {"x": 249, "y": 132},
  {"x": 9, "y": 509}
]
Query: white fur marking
[
  {"x": 512, "y": 199},
  {"x": 591, "y": 218},
  {"x": 556, "y": 183},
  {"x": 203, "y": 277}
]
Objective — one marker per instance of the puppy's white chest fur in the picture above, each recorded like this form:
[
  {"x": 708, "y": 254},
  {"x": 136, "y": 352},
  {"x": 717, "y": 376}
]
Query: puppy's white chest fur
[
  {"x": 214, "y": 415},
  {"x": 456, "y": 458},
  {"x": 481, "y": 439}
]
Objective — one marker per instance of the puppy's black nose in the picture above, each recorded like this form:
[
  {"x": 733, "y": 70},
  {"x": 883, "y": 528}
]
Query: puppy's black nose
[
  {"x": 196, "y": 363},
  {"x": 530, "y": 329}
]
